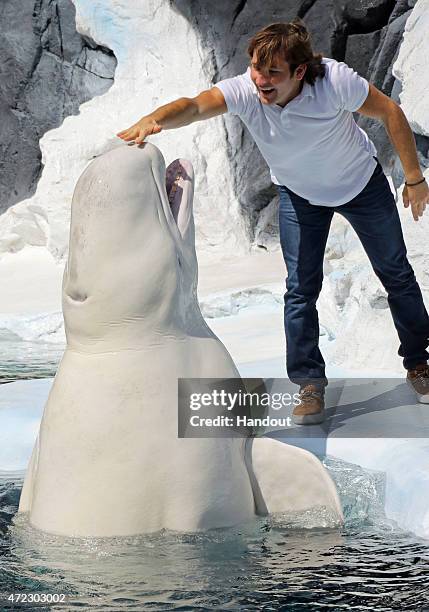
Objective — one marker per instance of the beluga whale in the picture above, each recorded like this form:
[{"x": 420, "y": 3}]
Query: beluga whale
[{"x": 108, "y": 460}]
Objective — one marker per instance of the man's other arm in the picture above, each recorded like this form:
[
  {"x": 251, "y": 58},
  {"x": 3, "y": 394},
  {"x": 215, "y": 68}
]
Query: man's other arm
[
  {"x": 178, "y": 113},
  {"x": 379, "y": 106}
]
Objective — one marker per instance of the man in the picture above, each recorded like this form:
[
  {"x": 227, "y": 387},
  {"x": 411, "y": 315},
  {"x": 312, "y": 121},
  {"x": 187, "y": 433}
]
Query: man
[{"x": 298, "y": 107}]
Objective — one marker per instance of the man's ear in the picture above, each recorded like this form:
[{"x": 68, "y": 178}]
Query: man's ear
[{"x": 300, "y": 71}]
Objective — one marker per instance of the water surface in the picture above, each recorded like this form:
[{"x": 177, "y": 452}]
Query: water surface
[{"x": 277, "y": 563}]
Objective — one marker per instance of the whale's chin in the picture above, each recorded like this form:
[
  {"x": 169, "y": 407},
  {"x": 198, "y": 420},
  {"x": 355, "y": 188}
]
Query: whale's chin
[{"x": 179, "y": 183}]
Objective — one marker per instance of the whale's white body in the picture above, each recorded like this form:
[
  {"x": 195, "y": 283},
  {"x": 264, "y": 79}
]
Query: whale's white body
[{"x": 108, "y": 460}]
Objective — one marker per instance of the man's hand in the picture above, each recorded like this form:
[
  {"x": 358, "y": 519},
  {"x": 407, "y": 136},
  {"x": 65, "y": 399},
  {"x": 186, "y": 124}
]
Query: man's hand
[
  {"x": 418, "y": 197},
  {"x": 139, "y": 131}
]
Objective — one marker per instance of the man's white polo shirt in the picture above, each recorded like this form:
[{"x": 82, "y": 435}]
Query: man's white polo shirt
[{"x": 313, "y": 145}]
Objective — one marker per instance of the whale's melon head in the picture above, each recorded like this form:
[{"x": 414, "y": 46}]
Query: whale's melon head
[{"x": 131, "y": 259}]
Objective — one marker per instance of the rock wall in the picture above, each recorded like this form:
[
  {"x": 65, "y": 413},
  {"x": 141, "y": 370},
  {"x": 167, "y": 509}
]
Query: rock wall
[
  {"x": 148, "y": 74},
  {"x": 47, "y": 71},
  {"x": 411, "y": 71},
  {"x": 57, "y": 68}
]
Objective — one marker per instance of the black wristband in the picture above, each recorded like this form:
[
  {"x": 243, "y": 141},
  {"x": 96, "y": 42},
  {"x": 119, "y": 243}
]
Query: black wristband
[{"x": 413, "y": 184}]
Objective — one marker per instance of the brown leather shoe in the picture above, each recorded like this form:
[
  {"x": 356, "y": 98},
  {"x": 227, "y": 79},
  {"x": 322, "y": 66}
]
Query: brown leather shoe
[
  {"x": 311, "y": 409},
  {"x": 418, "y": 380}
]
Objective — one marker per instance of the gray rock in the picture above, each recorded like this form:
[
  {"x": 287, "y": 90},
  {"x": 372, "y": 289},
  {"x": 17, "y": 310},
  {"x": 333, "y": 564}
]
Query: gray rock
[
  {"x": 380, "y": 68},
  {"x": 47, "y": 71},
  {"x": 360, "y": 49},
  {"x": 380, "y": 74},
  {"x": 364, "y": 15},
  {"x": 357, "y": 17},
  {"x": 320, "y": 21},
  {"x": 399, "y": 9},
  {"x": 396, "y": 90}
]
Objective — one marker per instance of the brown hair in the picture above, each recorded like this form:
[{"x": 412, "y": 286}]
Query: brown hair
[{"x": 291, "y": 41}]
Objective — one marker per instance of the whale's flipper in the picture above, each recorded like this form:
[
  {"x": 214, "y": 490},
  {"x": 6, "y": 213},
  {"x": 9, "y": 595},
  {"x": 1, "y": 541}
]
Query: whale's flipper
[{"x": 286, "y": 479}]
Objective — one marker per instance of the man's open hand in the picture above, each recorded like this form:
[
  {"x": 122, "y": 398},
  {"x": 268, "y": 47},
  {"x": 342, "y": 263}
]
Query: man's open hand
[
  {"x": 139, "y": 131},
  {"x": 417, "y": 197}
]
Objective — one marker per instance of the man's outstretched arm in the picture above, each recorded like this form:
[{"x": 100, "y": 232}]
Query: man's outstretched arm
[
  {"x": 380, "y": 106},
  {"x": 179, "y": 113}
]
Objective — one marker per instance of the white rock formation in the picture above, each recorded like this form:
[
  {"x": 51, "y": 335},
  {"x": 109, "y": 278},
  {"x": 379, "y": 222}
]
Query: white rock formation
[
  {"x": 411, "y": 68},
  {"x": 353, "y": 304},
  {"x": 149, "y": 73}
]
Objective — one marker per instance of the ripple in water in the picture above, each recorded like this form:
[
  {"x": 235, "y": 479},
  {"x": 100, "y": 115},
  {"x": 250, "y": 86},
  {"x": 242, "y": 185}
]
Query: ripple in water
[
  {"x": 279, "y": 563},
  {"x": 28, "y": 360}
]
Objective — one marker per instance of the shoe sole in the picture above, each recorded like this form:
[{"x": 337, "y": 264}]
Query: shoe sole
[
  {"x": 309, "y": 419},
  {"x": 423, "y": 399}
]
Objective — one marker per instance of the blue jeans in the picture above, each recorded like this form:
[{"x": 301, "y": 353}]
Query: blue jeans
[{"x": 304, "y": 230}]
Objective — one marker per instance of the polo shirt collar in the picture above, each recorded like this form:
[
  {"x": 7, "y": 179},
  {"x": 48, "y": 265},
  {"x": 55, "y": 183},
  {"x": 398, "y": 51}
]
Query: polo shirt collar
[{"x": 307, "y": 90}]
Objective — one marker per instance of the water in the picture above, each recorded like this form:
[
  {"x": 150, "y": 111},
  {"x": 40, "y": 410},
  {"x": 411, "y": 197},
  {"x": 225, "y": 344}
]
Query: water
[
  {"x": 277, "y": 563},
  {"x": 23, "y": 360},
  {"x": 31, "y": 346}
]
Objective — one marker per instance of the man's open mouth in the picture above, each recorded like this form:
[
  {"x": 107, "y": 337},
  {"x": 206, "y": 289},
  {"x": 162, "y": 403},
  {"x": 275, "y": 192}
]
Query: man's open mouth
[{"x": 267, "y": 90}]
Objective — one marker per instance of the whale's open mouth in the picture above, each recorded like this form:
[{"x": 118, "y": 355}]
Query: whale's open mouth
[{"x": 179, "y": 183}]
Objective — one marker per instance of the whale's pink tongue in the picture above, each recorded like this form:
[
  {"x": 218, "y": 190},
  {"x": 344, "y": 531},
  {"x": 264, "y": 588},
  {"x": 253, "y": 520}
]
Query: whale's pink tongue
[
  {"x": 172, "y": 177},
  {"x": 177, "y": 177},
  {"x": 171, "y": 174}
]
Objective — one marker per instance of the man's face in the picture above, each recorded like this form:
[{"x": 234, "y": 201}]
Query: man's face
[{"x": 275, "y": 83}]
